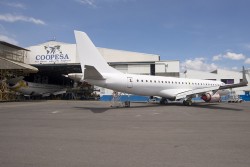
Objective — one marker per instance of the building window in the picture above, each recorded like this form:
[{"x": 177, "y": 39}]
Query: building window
[{"x": 228, "y": 81}]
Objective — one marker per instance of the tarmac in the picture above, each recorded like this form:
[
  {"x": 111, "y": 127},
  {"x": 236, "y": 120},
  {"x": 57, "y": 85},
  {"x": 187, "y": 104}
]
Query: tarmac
[{"x": 92, "y": 134}]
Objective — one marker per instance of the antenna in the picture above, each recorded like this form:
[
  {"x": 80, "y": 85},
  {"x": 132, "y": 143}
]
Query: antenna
[{"x": 52, "y": 39}]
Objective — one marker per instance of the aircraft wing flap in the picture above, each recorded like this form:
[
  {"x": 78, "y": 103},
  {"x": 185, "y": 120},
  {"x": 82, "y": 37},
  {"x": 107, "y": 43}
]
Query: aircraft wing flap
[{"x": 184, "y": 94}]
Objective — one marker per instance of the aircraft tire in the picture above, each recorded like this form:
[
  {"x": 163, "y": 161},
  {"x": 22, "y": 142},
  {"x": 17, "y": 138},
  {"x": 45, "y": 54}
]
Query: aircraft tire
[{"x": 187, "y": 102}]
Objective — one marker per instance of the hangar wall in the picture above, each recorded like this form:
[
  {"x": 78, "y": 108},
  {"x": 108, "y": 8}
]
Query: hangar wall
[
  {"x": 60, "y": 53},
  {"x": 226, "y": 76},
  {"x": 56, "y": 58}
]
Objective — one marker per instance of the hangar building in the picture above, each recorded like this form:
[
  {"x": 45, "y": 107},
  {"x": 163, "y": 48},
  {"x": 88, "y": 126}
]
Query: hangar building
[
  {"x": 55, "y": 59},
  {"x": 11, "y": 66}
]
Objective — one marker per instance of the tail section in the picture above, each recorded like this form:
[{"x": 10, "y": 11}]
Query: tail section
[{"x": 90, "y": 56}]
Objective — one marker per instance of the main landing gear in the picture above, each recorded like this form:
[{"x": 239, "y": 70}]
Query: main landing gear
[
  {"x": 187, "y": 102},
  {"x": 163, "y": 101}
]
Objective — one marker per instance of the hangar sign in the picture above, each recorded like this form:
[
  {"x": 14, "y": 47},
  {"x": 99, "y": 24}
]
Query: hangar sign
[{"x": 53, "y": 55}]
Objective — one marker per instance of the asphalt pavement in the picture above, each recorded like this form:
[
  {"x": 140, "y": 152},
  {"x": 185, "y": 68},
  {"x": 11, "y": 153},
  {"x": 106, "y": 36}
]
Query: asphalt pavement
[{"x": 92, "y": 134}]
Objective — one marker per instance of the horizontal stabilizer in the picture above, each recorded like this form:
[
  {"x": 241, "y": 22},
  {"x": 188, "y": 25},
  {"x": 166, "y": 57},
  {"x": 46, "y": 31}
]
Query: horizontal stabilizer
[{"x": 91, "y": 72}]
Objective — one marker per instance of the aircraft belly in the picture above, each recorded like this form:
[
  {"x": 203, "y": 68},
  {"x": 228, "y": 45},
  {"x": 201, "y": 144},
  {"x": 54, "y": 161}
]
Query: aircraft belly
[
  {"x": 117, "y": 84},
  {"x": 144, "y": 90}
]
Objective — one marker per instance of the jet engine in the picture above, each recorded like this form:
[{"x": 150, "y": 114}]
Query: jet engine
[{"x": 210, "y": 97}]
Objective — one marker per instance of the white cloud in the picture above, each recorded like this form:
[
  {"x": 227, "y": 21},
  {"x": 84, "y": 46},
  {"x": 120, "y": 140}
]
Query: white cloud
[
  {"x": 198, "y": 64},
  {"x": 247, "y": 46},
  {"x": 234, "y": 56},
  {"x": 96, "y": 3},
  {"x": 15, "y": 5},
  {"x": 91, "y": 3},
  {"x": 235, "y": 68},
  {"x": 8, "y": 39},
  {"x": 247, "y": 61},
  {"x": 217, "y": 57},
  {"x": 14, "y": 18}
]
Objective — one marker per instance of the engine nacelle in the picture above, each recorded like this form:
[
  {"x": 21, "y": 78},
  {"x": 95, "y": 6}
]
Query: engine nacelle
[
  {"x": 210, "y": 97},
  {"x": 75, "y": 76}
]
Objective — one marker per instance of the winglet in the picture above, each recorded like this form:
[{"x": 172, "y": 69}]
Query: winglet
[
  {"x": 244, "y": 78},
  {"x": 244, "y": 81}
]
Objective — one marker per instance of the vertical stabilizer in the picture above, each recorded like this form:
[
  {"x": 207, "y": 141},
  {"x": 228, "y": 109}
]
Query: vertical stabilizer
[{"x": 89, "y": 55}]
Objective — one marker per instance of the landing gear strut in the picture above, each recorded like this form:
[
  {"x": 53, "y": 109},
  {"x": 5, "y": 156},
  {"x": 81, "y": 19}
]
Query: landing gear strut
[
  {"x": 187, "y": 102},
  {"x": 163, "y": 101}
]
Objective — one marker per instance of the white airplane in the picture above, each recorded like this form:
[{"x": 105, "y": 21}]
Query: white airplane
[
  {"x": 96, "y": 71},
  {"x": 34, "y": 89}
]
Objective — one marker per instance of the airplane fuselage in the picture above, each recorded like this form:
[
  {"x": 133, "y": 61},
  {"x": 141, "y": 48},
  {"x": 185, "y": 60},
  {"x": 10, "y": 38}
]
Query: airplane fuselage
[
  {"x": 35, "y": 89},
  {"x": 147, "y": 85}
]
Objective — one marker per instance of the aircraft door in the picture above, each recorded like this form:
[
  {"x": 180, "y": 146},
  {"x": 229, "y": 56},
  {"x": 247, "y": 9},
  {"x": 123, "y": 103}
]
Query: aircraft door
[{"x": 129, "y": 82}]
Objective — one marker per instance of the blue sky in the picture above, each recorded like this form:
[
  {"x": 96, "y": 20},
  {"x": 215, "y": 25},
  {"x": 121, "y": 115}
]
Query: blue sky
[{"x": 203, "y": 35}]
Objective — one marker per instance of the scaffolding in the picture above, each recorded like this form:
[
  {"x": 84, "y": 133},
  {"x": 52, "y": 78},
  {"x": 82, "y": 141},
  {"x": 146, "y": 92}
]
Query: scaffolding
[
  {"x": 12, "y": 65},
  {"x": 117, "y": 100},
  {"x": 5, "y": 93}
]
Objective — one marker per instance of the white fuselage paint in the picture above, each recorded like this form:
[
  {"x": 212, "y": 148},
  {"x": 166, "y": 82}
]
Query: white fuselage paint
[{"x": 147, "y": 85}]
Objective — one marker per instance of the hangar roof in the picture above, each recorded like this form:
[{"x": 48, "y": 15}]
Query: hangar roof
[
  {"x": 13, "y": 65},
  {"x": 12, "y": 46}
]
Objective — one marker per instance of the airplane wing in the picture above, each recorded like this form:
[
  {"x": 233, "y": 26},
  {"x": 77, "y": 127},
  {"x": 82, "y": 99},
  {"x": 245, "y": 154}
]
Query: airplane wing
[
  {"x": 178, "y": 94},
  {"x": 189, "y": 93},
  {"x": 13, "y": 81},
  {"x": 192, "y": 92},
  {"x": 59, "y": 92},
  {"x": 46, "y": 94},
  {"x": 54, "y": 93}
]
